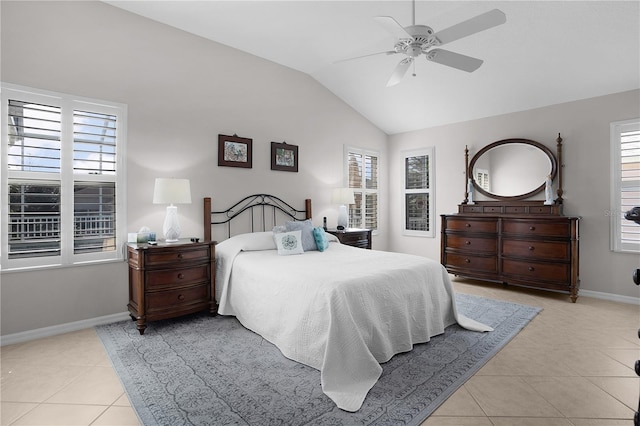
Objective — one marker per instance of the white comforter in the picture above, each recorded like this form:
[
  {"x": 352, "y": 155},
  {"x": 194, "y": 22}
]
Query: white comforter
[{"x": 342, "y": 311}]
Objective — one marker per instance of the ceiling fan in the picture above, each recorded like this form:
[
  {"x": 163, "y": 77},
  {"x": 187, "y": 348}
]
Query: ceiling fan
[{"x": 415, "y": 40}]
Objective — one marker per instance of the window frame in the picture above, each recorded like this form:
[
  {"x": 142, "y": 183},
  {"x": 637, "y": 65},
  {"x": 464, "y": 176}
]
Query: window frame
[
  {"x": 617, "y": 185},
  {"x": 429, "y": 152},
  {"x": 363, "y": 152},
  {"x": 66, "y": 177}
]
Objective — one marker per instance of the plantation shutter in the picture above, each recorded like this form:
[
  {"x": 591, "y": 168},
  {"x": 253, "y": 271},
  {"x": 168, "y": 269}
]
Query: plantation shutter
[
  {"x": 629, "y": 184},
  {"x": 363, "y": 177}
]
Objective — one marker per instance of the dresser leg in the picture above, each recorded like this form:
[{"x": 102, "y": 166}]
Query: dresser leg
[{"x": 142, "y": 325}]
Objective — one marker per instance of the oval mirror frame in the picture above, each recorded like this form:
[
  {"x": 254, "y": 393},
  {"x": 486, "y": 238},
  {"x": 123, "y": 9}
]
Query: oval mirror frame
[{"x": 539, "y": 189}]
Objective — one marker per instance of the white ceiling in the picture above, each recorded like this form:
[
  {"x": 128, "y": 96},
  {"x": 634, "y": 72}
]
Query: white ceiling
[{"x": 548, "y": 52}]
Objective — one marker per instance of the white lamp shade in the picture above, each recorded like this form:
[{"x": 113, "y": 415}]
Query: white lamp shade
[
  {"x": 172, "y": 191},
  {"x": 342, "y": 196}
]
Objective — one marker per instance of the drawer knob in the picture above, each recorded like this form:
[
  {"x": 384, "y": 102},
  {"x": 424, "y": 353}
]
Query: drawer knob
[
  {"x": 468, "y": 225},
  {"x": 179, "y": 255},
  {"x": 468, "y": 243},
  {"x": 531, "y": 248},
  {"x": 531, "y": 268},
  {"x": 180, "y": 297},
  {"x": 467, "y": 260},
  {"x": 532, "y": 228},
  {"x": 180, "y": 275}
]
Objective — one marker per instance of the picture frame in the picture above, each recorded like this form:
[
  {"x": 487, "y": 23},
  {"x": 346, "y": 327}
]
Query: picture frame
[
  {"x": 234, "y": 151},
  {"x": 284, "y": 157}
]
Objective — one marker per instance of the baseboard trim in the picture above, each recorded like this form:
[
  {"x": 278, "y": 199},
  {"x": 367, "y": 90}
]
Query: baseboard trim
[
  {"x": 39, "y": 333},
  {"x": 610, "y": 297},
  {"x": 53, "y": 330}
]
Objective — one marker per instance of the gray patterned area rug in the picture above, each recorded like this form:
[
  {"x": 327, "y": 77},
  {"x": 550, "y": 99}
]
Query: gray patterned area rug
[{"x": 201, "y": 370}]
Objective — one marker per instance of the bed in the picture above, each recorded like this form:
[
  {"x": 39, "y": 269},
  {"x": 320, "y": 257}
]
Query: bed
[{"x": 342, "y": 310}]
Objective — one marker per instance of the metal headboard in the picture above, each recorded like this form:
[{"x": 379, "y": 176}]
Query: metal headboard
[{"x": 263, "y": 202}]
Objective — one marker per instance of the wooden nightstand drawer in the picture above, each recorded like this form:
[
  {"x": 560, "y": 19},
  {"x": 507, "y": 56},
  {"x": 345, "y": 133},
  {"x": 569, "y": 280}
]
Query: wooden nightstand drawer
[
  {"x": 176, "y": 277},
  {"x": 178, "y": 299},
  {"x": 354, "y": 237},
  {"x": 172, "y": 256}
]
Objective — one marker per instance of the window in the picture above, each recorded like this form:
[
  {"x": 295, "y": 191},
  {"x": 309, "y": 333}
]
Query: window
[
  {"x": 362, "y": 170},
  {"x": 62, "y": 188},
  {"x": 625, "y": 184},
  {"x": 418, "y": 181}
]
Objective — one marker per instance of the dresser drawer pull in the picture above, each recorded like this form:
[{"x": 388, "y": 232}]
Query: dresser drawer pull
[
  {"x": 532, "y": 228},
  {"x": 468, "y": 225},
  {"x": 468, "y": 243},
  {"x": 180, "y": 276},
  {"x": 531, "y": 248},
  {"x": 179, "y": 255},
  {"x": 180, "y": 297},
  {"x": 467, "y": 260},
  {"x": 531, "y": 268}
]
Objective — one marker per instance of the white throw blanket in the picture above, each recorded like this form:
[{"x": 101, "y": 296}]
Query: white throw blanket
[{"x": 342, "y": 311}]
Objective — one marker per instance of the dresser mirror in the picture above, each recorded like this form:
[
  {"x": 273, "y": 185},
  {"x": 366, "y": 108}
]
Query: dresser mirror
[{"x": 512, "y": 169}]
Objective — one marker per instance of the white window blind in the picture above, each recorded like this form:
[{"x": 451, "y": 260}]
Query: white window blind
[
  {"x": 64, "y": 186},
  {"x": 625, "y": 184},
  {"x": 418, "y": 192},
  {"x": 363, "y": 171}
]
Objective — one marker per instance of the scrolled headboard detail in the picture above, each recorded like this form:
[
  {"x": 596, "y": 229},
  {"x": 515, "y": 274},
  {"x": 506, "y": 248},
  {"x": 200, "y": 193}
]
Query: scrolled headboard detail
[{"x": 262, "y": 202}]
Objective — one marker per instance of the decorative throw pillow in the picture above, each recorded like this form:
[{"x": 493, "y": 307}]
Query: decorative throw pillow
[
  {"x": 288, "y": 243},
  {"x": 321, "y": 238},
  {"x": 305, "y": 226},
  {"x": 279, "y": 229}
]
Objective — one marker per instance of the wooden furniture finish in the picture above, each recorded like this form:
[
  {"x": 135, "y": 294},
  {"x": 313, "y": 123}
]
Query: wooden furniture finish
[
  {"x": 532, "y": 251},
  {"x": 170, "y": 279},
  {"x": 353, "y": 237}
]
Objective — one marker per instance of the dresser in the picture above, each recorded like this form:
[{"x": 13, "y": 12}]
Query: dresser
[
  {"x": 537, "y": 251},
  {"x": 355, "y": 237},
  {"x": 170, "y": 279}
]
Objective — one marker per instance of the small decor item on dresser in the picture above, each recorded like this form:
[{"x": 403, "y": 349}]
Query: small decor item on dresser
[
  {"x": 548, "y": 191},
  {"x": 284, "y": 157},
  {"x": 470, "y": 192},
  {"x": 234, "y": 151}
]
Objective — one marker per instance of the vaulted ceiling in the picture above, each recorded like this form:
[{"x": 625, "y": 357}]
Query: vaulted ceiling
[{"x": 547, "y": 52}]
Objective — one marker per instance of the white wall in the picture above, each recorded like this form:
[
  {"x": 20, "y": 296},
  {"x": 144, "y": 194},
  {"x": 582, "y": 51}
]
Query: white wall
[
  {"x": 584, "y": 126},
  {"x": 181, "y": 91}
]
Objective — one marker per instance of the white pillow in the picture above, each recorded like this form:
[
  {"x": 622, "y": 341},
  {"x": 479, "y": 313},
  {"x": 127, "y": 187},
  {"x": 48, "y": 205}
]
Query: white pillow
[
  {"x": 308, "y": 241},
  {"x": 289, "y": 243}
]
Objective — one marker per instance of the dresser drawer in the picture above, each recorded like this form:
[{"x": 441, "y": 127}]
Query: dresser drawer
[
  {"x": 161, "y": 257},
  {"x": 157, "y": 279},
  {"x": 477, "y": 263},
  {"x": 474, "y": 244},
  {"x": 536, "y": 249},
  {"x": 556, "y": 229},
  {"x": 472, "y": 225},
  {"x": 533, "y": 270},
  {"x": 177, "y": 298}
]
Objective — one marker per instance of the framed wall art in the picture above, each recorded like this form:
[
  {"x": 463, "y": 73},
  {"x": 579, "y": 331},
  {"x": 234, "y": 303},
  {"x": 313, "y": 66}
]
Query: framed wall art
[
  {"x": 234, "y": 151},
  {"x": 284, "y": 157}
]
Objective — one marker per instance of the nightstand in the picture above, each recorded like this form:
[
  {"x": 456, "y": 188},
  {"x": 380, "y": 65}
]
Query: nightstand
[
  {"x": 353, "y": 237},
  {"x": 170, "y": 279}
]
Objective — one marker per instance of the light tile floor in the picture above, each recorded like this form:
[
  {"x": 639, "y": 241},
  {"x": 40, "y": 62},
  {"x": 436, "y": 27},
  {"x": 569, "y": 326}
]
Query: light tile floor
[{"x": 572, "y": 365}]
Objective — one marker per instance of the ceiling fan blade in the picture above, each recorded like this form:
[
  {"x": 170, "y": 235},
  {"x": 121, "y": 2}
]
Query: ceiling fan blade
[
  {"x": 482, "y": 22},
  {"x": 392, "y": 26},
  {"x": 399, "y": 72},
  {"x": 454, "y": 60},
  {"x": 388, "y": 52}
]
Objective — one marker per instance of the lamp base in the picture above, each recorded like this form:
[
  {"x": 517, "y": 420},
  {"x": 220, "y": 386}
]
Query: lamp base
[
  {"x": 343, "y": 217},
  {"x": 171, "y": 227}
]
